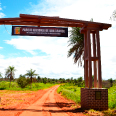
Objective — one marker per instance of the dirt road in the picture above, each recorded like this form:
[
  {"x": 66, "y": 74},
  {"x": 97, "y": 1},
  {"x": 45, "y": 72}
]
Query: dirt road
[{"x": 48, "y": 104}]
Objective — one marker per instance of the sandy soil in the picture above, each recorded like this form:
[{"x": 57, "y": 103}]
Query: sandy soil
[{"x": 41, "y": 103}]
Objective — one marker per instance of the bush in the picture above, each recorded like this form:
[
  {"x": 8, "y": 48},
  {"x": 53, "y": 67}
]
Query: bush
[{"x": 22, "y": 82}]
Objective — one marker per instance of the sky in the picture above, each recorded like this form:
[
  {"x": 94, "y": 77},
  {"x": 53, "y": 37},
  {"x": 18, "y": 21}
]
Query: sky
[{"x": 48, "y": 55}]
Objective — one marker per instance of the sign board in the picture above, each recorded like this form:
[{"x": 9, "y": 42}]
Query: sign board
[
  {"x": 39, "y": 31},
  {"x": 98, "y": 95}
]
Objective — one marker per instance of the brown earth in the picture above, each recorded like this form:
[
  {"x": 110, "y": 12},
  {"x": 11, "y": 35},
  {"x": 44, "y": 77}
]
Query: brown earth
[{"x": 41, "y": 103}]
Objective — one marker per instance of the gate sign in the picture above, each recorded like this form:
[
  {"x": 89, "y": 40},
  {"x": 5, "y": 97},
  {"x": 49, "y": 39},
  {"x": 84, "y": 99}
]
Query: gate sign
[{"x": 40, "y": 31}]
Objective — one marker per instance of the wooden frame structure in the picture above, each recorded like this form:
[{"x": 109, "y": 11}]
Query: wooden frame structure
[{"x": 88, "y": 28}]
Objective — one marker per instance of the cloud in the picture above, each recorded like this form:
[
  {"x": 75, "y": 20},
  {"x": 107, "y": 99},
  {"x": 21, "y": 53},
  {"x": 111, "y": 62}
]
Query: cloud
[
  {"x": 49, "y": 45},
  {"x": 1, "y": 56},
  {"x": 1, "y": 13},
  {"x": 60, "y": 67},
  {"x": 76, "y": 9}
]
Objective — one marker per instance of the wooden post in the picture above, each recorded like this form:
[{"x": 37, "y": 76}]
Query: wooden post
[
  {"x": 99, "y": 60},
  {"x": 89, "y": 58},
  {"x": 85, "y": 61},
  {"x": 94, "y": 55}
]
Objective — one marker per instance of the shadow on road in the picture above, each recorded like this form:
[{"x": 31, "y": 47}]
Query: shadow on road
[{"x": 52, "y": 111}]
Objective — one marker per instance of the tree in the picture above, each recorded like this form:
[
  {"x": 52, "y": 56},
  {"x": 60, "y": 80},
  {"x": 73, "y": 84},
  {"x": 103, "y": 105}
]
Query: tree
[
  {"x": 10, "y": 73},
  {"x": 76, "y": 41},
  {"x": 1, "y": 75},
  {"x": 111, "y": 81},
  {"x": 39, "y": 78},
  {"x": 22, "y": 81},
  {"x": 113, "y": 15},
  {"x": 31, "y": 73}
]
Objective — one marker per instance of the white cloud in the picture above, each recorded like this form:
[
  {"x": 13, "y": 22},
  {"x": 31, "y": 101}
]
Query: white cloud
[
  {"x": 49, "y": 45},
  {"x": 1, "y": 13},
  {"x": 1, "y": 56},
  {"x": 44, "y": 66}
]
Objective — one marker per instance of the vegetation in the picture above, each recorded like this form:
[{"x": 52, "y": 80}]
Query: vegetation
[
  {"x": 113, "y": 15},
  {"x": 10, "y": 73},
  {"x": 70, "y": 91},
  {"x": 1, "y": 75},
  {"x": 22, "y": 81},
  {"x": 31, "y": 73},
  {"x": 76, "y": 41},
  {"x": 4, "y": 85}
]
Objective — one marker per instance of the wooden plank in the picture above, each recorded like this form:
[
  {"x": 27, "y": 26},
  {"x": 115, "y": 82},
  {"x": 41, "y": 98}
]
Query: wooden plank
[
  {"x": 103, "y": 25},
  {"x": 36, "y": 24},
  {"x": 89, "y": 58},
  {"x": 99, "y": 60}
]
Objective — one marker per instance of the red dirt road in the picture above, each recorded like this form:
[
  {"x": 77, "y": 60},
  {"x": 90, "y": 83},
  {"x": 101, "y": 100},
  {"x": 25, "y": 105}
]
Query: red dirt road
[{"x": 49, "y": 103}]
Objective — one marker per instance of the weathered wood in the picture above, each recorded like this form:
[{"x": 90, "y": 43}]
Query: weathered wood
[
  {"x": 89, "y": 58},
  {"x": 94, "y": 63},
  {"x": 52, "y": 21},
  {"x": 99, "y": 60},
  {"x": 85, "y": 62}
]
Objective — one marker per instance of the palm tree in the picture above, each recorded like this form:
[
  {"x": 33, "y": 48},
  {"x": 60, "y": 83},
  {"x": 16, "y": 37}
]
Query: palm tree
[
  {"x": 31, "y": 73},
  {"x": 76, "y": 41},
  {"x": 10, "y": 73}
]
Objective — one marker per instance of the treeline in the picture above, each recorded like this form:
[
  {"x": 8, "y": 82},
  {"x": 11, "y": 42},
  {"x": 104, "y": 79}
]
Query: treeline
[{"x": 23, "y": 81}]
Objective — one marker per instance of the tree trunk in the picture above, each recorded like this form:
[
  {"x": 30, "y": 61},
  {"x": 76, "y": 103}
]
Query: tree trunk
[
  {"x": 31, "y": 82},
  {"x": 10, "y": 82}
]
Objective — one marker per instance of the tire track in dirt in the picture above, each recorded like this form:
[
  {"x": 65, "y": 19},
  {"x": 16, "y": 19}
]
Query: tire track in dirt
[{"x": 50, "y": 104}]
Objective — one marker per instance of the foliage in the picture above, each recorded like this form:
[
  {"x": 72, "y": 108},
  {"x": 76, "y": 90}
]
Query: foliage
[
  {"x": 76, "y": 41},
  {"x": 4, "y": 85},
  {"x": 1, "y": 75},
  {"x": 111, "y": 81},
  {"x": 22, "y": 81},
  {"x": 112, "y": 97},
  {"x": 10, "y": 73},
  {"x": 113, "y": 15},
  {"x": 31, "y": 73}
]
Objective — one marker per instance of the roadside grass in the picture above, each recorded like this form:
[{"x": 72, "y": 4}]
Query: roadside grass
[
  {"x": 4, "y": 85},
  {"x": 73, "y": 92},
  {"x": 112, "y": 97},
  {"x": 70, "y": 91}
]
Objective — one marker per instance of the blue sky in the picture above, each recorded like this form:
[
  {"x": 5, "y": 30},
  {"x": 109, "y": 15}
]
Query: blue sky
[{"x": 48, "y": 55}]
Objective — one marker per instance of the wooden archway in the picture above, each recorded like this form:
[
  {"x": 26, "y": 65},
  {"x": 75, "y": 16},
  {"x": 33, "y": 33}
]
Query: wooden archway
[{"x": 87, "y": 28}]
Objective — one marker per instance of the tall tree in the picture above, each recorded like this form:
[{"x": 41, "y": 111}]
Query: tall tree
[
  {"x": 76, "y": 41},
  {"x": 10, "y": 73},
  {"x": 31, "y": 73}
]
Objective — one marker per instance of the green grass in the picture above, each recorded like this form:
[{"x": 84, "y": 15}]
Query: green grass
[
  {"x": 112, "y": 97},
  {"x": 4, "y": 85},
  {"x": 73, "y": 92},
  {"x": 70, "y": 91}
]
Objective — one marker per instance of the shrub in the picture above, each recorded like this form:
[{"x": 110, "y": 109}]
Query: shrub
[{"x": 22, "y": 82}]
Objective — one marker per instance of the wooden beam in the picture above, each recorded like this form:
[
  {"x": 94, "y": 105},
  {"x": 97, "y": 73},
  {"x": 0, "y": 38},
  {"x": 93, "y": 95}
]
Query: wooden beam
[
  {"x": 36, "y": 24},
  {"x": 89, "y": 58},
  {"x": 99, "y": 61},
  {"x": 103, "y": 25}
]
